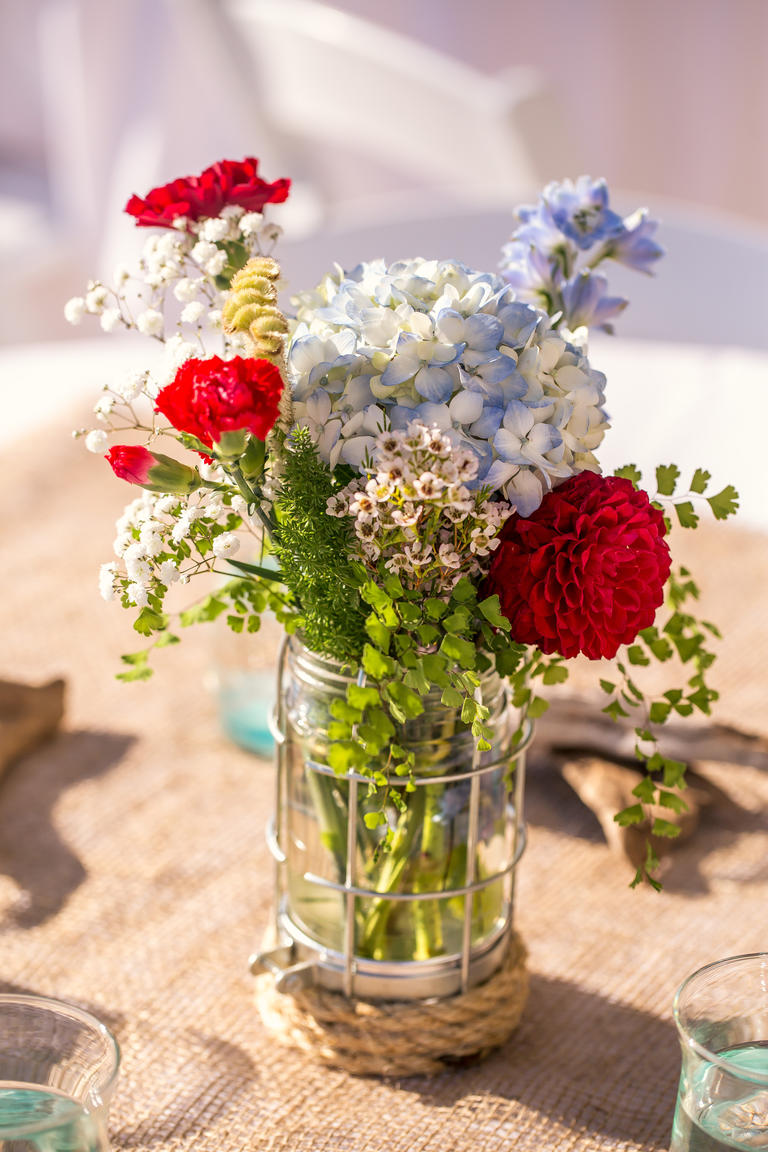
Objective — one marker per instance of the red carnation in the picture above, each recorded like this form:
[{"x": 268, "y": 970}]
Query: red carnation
[
  {"x": 226, "y": 182},
  {"x": 212, "y": 397},
  {"x": 585, "y": 572}
]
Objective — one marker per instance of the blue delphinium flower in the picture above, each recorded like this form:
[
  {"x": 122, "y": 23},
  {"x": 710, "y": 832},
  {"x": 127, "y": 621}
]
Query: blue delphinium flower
[
  {"x": 634, "y": 246},
  {"x": 586, "y": 303},
  {"x": 546, "y": 262},
  {"x": 580, "y": 211}
]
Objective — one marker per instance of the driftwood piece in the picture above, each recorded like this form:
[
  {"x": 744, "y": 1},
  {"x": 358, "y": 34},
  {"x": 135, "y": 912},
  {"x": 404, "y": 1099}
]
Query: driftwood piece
[
  {"x": 576, "y": 723},
  {"x": 29, "y": 715},
  {"x": 606, "y": 788}
]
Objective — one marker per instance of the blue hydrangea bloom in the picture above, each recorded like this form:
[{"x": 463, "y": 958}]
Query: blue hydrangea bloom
[{"x": 384, "y": 344}]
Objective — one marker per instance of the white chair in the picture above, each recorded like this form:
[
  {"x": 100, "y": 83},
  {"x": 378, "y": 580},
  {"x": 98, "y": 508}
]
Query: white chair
[{"x": 364, "y": 116}]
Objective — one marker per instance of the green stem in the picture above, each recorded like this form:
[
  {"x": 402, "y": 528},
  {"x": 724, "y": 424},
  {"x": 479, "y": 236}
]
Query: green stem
[
  {"x": 251, "y": 498},
  {"x": 428, "y": 926},
  {"x": 395, "y": 862}
]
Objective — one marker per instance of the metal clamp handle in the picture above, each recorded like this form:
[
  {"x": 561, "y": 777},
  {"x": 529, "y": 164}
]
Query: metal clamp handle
[{"x": 279, "y": 961}]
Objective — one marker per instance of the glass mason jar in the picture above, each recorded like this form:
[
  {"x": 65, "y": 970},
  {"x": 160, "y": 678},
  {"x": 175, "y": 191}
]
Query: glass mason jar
[{"x": 429, "y": 915}]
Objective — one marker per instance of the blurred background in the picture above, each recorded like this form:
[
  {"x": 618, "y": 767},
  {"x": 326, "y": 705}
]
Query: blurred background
[{"x": 408, "y": 129}]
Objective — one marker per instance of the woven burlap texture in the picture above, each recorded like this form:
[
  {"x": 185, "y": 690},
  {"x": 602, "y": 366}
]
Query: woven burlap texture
[
  {"x": 135, "y": 880},
  {"x": 398, "y": 1038}
]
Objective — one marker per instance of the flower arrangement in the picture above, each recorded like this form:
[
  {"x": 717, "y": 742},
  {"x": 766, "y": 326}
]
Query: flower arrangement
[{"x": 414, "y": 450}]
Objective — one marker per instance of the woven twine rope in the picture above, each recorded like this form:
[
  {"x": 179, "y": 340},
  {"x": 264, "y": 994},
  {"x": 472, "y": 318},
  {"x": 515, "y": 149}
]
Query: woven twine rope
[{"x": 399, "y": 1037}]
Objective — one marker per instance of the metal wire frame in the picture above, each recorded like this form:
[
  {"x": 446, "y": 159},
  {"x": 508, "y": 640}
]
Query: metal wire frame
[{"x": 289, "y": 933}]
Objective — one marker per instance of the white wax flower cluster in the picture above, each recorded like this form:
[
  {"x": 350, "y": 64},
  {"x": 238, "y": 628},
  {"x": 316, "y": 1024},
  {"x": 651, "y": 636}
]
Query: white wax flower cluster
[
  {"x": 416, "y": 512},
  {"x": 434, "y": 340}
]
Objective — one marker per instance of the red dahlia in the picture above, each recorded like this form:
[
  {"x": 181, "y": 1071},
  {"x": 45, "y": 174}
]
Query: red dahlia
[
  {"x": 226, "y": 182},
  {"x": 586, "y": 571},
  {"x": 209, "y": 398}
]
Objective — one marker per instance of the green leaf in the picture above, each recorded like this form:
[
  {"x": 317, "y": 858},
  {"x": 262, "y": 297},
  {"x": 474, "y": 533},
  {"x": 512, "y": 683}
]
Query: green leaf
[
  {"x": 457, "y": 622},
  {"x": 464, "y": 591},
  {"x": 615, "y": 710},
  {"x": 667, "y": 476},
  {"x": 637, "y": 655},
  {"x": 674, "y": 773},
  {"x": 428, "y": 634},
  {"x": 468, "y": 710},
  {"x": 236, "y": 623},
  {"x": 687, "y": 646},
  {"x": 376, "y": 664},
  {"x": 537, "y": 707},
  {"x": 136, "y": 657},
  {"x": 362, "y": 696},
  {"x": 375, "y": 596},
  {"x": 139, "y": 673},
  {"x": 700, "y": 480},
  {"x": 632, "y": 815},
  {"x": 645, "y": 791},
  {"x": 381, "y": 724},
  {"x": 661, "y": 648},
  {"x": 374, "y": 819},
  {"x": 555, "y": 674},
  {"x": 408, "y": 701},
  {"x": 166, "y": 639},
  {"x": 416, "y": 679},
  {"x": 459, "y": 650},
  {"x": 491, "y": 609},
  {"x": 258, "y": 570},
  {"x": 665, "y": 828},
  {"x": 673, "y": 801},
  {"x": 508, "y": 660},
  {"x": 393, "y": 585},
  {"x": 451, "y": 697},
  {"x": 345, "y": 756},
  {"x": 377, "y": 632},
  {"x": 659, "y": 711},
  {"x": 435, "y": 669},
  {"x": 409, "y": 613},
  {"x": 204, "y": 612},
  {"x": 149, "y": 621},
  {"x": 630, "y": 472},
  {"x": 607, "y": 686},
  {"x": 686, "y": 515},
  {"x": 724, "y": 503},
  {"x": 435, "y": 608},
  {"x": 343, "y": 710},
  {"x": 701, "y": 699}
]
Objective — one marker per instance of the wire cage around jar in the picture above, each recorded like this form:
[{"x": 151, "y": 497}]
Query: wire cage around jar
[{"x": 432, "y": 914}]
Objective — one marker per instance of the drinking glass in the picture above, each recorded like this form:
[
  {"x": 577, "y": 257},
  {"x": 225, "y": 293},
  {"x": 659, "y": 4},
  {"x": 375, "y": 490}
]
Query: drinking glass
[
  {"x": 721, "y": 1012},
  {"x": 58, "y": 1067}
]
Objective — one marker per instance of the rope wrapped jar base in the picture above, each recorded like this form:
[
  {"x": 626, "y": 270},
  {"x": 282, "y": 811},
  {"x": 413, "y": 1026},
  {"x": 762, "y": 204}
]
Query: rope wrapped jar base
[{"x": 399, "y": 1037}]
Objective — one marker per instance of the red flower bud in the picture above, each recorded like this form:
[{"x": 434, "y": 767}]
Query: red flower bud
[
  {"x": 152, "y": 470},
  {"x": 226, "y": 182},
  {"x": 586, "y": 571},
  {"x": 131, "y": 463}
]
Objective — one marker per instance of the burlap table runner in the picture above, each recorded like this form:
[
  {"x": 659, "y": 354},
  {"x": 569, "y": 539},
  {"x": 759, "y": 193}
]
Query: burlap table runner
[{"x": 134, "y": 879}]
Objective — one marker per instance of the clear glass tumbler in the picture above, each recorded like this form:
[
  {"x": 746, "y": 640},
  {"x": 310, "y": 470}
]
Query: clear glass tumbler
[
  {"x": 721, "y": 1012},
  {"x": 58, "y": 1067}
]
